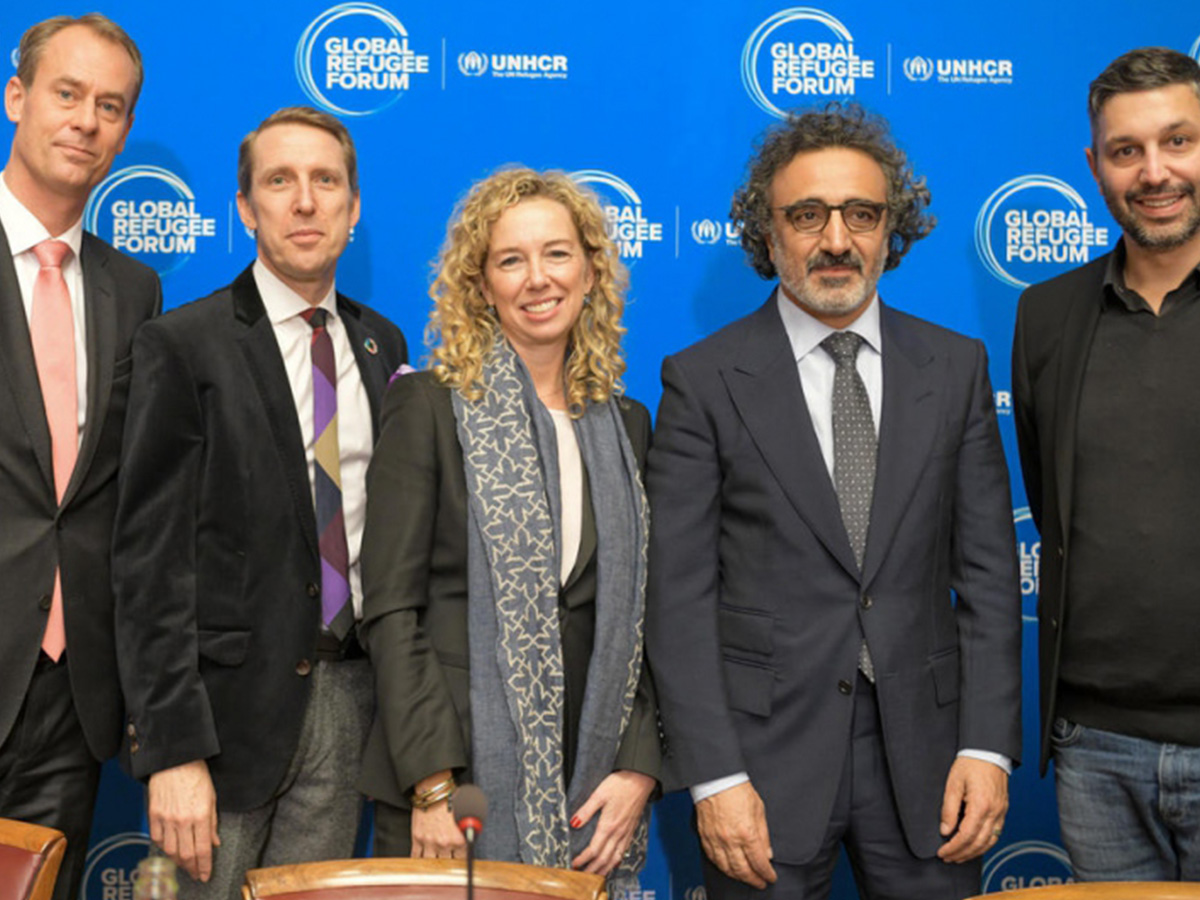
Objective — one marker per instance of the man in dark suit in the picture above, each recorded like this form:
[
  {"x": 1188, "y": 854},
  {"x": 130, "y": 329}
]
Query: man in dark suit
[
  {"x": 1105, "y": 371},
  {"x": 69, "y": 305},
  {"x": 251, "y": 422},
  {"x": 834, "y": 613}
]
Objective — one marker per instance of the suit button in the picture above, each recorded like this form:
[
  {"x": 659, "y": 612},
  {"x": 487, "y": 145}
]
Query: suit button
[
  {"x": 845, "y": 687},
  {"x": 303, "y": 667},
  {"x": 134, "y": 746},
  {"x": 313, "y": 590},
  {"x": 866, "y": 602},
  {"x": 131, "y": 730},
  {"x": 1054, "y": 624},
  {"x": 44, "y": 601},
  {"x": 1060, "y": 552}
]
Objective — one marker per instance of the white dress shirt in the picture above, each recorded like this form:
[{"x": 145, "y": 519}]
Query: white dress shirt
[
  {"x": 24, "y": 232},
  {"x": 817, "y": 368},
  {"x": 356, "y": 436}
]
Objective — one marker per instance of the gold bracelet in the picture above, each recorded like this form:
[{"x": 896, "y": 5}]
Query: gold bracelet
[{"x": 435, "y": 795}]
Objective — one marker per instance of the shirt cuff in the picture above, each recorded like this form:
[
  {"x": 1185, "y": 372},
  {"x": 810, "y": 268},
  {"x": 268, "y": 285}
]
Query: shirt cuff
[
  {"x": 996, "y": 759},
  {"x": 708, "y": 788}
]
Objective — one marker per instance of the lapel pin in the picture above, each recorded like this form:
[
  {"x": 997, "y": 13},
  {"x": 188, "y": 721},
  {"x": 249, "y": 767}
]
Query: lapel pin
[{"x": 371, "y": 346}]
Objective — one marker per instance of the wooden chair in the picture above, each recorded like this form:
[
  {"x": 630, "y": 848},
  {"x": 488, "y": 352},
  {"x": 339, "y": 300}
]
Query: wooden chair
[
  {"x": 1105, "y": 890},
  {"x": 418, "y": 879},
  {"x": 29, "y": 859}
]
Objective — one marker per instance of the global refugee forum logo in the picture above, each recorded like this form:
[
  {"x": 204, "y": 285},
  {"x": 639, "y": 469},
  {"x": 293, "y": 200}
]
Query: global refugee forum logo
[
  {"x": 625, "y": 220},
  {"x": 1026, "y": 864},
  {"x": 108, "y": 872},
  {"x": 801, "y": 56},
  {"x": 1034, "y": 227},
  {"x": 150, "y": 213},
  {"x": 1029, "y": 552},
  {"x": 354, "y": 59}
]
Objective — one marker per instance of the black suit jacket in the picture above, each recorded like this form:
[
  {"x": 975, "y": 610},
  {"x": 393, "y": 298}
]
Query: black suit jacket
[
  {"x": 36, "y": 533},
  {"x": 757, "y": 607},
  {"x": 1056, "y": 322},
  {"x": 415, "y": 607},
  {"x": 216, "y": 563}
]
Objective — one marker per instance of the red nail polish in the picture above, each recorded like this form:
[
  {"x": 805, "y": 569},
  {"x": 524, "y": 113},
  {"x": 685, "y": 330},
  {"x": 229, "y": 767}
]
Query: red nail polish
[{"x": 575, "y": 822}]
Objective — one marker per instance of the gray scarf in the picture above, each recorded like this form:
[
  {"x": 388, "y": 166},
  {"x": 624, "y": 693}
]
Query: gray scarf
[{"x": 517, "y": 682}]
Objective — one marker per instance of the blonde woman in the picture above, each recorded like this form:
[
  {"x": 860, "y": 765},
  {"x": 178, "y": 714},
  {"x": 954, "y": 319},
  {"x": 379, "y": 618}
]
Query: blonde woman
[{"x": 504, "y": 554}]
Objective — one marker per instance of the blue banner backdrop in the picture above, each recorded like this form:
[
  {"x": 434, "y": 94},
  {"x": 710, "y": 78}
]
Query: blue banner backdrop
[{"x": 656, "y": 105}]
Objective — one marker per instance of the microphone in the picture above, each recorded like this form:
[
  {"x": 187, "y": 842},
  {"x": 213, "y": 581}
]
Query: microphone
[{"x": 469, "y": 807}]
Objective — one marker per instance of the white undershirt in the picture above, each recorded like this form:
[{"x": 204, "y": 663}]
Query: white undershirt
[
  {"x": 355, "y": 434},
  {"x": 570, "y": 481}
]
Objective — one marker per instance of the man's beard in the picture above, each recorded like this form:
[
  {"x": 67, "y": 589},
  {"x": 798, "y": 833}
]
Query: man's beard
[
  {"x": 1147, "y": 234},
  {"x": 833, "y": 295}
]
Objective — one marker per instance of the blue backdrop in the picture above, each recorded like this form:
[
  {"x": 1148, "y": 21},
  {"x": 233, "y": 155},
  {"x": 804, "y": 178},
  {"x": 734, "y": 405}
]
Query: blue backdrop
[{"x": 656, "y": 105}]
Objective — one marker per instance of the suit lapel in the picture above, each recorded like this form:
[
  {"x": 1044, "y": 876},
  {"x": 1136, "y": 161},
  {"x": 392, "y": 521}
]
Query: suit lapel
[
  {"x": 764, "y": 385},
  {"x": 372, "y": 367},
  {"x": 18, "y": 366},
  {"x": 1078, "y": 331},
  {"x": 100, "y": 302},
  {"x": 261, "y": 350},
  {"x": 908, "y": 423}
]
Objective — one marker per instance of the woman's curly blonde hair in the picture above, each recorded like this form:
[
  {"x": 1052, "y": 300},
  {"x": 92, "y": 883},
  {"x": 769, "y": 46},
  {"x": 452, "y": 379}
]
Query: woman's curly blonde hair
[{"x": 462, "y": 330}]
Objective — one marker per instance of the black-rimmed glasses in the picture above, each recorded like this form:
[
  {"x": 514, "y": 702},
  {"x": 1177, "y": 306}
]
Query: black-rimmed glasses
[{"x": 811, "y": 216}]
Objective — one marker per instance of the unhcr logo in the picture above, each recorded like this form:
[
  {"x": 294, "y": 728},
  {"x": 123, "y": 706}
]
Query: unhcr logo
[
  {"x": 472, "y": 63},
  {"x": 713, "y": 231},
  {"x": 706, "y": 231},
  {"x": 918, "y": 68}
]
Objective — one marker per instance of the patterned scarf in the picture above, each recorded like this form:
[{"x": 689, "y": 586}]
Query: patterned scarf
[{"x": 517, "y": 682}]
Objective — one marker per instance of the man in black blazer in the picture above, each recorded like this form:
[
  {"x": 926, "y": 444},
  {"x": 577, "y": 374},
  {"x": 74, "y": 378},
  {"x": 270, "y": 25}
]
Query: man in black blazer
[
  {"x": 834, "y": 627},
  {"x": 1105, "y": 370},
  {"x": 235, "y": 566},
  {"x": 69, "y": 305}
]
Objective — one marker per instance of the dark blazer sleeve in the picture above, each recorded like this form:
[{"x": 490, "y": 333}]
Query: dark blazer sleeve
[
  {"x": 641, "y": 747},
  {"x": 983, "y": 575},
  {"x": 407, "y": 515},
  {"x": 1027, "y": 435},
  {"x": 684, "y": 483},
  {"x": 154, "y": 559}
]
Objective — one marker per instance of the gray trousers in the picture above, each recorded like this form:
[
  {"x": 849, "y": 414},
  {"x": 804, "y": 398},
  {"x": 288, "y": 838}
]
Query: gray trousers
[{"x": 315, "y": 810}]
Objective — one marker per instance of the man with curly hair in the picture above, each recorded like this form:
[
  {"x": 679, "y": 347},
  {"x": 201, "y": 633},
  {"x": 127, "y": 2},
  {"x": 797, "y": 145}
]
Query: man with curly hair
[{"x": 834, "y": 612}]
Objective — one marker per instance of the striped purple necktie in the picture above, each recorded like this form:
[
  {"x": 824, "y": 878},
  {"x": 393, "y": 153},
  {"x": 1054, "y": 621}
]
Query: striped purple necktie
[{"x": 337, "y": 613}]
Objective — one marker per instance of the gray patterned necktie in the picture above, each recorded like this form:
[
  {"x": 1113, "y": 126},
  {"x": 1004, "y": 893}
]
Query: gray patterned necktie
[{"x": 854, "y": 451}]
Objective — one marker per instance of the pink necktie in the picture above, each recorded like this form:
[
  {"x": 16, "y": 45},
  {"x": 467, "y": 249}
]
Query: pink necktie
[{"x": 52, "y": 331}]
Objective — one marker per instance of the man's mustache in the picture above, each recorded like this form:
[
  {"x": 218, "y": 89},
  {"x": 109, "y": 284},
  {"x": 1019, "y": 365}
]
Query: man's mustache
[
  {"x": 1184, "y": 187},
  {"x": 827, "y": 260}
]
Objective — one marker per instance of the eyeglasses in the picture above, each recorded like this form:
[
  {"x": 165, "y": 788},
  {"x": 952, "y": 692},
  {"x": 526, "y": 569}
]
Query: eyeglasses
[{"x": 811, "y": 216}]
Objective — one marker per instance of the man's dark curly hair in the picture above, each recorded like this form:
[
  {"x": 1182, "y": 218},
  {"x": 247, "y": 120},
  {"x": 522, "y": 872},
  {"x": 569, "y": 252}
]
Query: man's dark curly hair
[{"x": 837, "y": 125}]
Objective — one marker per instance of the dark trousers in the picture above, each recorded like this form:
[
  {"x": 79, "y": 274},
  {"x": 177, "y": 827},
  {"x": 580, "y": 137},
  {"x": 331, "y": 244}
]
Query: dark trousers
[
  {"x": 866, "y": 821},
  {"x": 47, "y": 774}
]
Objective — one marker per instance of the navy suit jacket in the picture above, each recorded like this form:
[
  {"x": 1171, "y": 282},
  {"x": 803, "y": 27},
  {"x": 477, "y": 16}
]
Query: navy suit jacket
[
  {"x": 37, "y": 534},
  {"x": 757, "y": 608}
]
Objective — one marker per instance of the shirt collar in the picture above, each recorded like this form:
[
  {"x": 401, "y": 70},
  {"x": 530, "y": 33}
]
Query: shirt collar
[
  {"x": 23, "y": 229},
  {"x": 1114, "y": 281},
  {"x": 281, "y": 302},
  {"x": 805, "y": 332}
]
